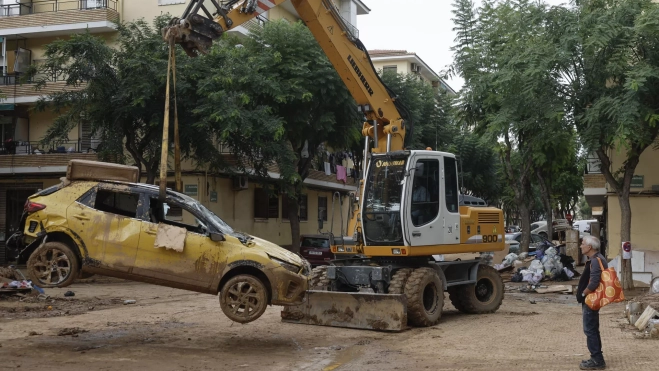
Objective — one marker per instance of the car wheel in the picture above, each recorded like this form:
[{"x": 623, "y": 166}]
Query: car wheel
[
  {"x": 243, "y": 298},
  {"x": 53, "y": 265}
]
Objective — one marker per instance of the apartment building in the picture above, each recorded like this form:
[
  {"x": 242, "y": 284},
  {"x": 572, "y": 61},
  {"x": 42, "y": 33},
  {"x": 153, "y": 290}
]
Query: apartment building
[
  {"x": 404, "y": 62},
  {"x": 644, "y": 202},
  {"x": 26, "y": 165}
]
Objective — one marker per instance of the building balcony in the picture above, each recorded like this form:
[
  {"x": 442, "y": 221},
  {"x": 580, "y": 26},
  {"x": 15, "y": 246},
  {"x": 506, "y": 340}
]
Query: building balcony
[
  {"x": 48, "y": 163},
  {"x": 594, "y": 189},
  {"x": 57, "y": 17},
  {"x": 16, "y": 91}
]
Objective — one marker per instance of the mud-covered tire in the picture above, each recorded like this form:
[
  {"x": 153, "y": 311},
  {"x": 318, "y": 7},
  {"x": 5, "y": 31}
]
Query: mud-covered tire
[
  {"x": 243, "y": 298},
  {"x": 318, "y": 278},
  {"x": 398, "y": 281},
  {"x": 53, "y": 265},
  {"x": 485, "y": 296},
  {"x": 425, "y": 297}
]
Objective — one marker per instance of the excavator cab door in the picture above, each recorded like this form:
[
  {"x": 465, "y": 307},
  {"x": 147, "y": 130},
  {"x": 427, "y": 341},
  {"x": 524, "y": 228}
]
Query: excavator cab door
[
  {"x": 423, "y": 202},
  {"x": 450, "y": 209}
]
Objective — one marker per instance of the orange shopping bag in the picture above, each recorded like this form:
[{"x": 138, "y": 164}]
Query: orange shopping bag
[{"x": 609, "y": 290}]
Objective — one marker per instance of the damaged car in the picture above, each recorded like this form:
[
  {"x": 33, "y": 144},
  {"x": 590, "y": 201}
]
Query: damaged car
[{"x": 117, "y": 227}]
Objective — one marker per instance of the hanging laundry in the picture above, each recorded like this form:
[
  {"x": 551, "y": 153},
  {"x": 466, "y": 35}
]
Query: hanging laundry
[
  {"x": 341, "y": 173},
  {"x": 328, "y": 169}
]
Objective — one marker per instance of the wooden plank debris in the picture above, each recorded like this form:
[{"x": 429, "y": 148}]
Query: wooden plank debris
[
  {"x": 645, "y": 318},
  {"x": 565, "y": 289}
]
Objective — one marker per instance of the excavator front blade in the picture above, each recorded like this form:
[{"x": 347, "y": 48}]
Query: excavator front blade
[{"x": 383, "y": 312}]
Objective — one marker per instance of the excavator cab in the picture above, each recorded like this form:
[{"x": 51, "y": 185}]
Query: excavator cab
[{"x": 411, "y": 199}]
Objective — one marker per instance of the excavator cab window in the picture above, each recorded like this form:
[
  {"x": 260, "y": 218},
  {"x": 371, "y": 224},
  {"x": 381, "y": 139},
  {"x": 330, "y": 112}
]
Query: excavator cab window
[
  {"x": 451, "y": 185},
  {"x": 384, "y": 190},
  {"x": 425, "y": 192}
]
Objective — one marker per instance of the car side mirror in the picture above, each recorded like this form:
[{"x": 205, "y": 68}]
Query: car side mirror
[{"x": 217, "y": 237}]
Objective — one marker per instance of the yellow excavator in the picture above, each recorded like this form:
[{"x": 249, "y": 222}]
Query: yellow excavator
[{"x": 409, "y": 236}]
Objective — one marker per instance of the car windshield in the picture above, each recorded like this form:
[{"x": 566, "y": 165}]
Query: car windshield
[
  {"x": 207, "y": 214},
  {"x": 315, "y": 242}
]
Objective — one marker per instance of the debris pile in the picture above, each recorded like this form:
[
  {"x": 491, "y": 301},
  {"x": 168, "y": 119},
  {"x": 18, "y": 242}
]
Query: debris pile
[
  {"x": 642, "y": 313},
  {"x": 546, "y": 264},
  {"x": 12, "y": 281}
]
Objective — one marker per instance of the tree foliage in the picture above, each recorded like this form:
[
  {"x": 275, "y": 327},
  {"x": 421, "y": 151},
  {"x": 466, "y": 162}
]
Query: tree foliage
[
  {"x": 120, "y": 91},
  {"x": 507, "y": 95},
  {"x": 273, "y": 97}
]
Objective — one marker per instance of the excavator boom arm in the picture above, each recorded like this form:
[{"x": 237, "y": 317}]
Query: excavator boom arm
[{"x": 206, "y": 20}]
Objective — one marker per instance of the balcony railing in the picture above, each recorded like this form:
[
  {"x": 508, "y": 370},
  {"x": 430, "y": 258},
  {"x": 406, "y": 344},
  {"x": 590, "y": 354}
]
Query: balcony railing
[
  {"x": 16, "y": 78},
  {"x": 46, "y": 6},
  {"x": 593, "y": 165},
  {"x": 35, "y": 147}
]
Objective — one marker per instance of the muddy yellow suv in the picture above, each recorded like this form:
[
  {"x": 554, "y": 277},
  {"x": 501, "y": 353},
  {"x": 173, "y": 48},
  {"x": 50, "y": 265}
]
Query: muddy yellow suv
[{"x": 122, "y": 229}]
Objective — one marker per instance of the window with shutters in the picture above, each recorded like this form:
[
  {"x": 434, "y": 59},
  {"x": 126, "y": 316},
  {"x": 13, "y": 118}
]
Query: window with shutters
[
  {"x": 302, "y": 211},
  {"x": 390, "y": 69},
  {"x": 322, "y": 208},
  {"x": 266, "y": 206}
]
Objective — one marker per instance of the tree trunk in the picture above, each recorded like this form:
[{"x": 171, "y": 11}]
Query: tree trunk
[
  {"x": 622, "y": 190},
  {"x": 546, "y": 201},
  {"x": 625, "y": 235},
  {"x": 294, "y": 219},
  {"x": 526, "y": 226}
]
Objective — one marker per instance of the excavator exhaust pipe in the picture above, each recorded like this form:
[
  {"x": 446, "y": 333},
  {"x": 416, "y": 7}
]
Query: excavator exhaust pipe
[{"x": 381, "y": 312}]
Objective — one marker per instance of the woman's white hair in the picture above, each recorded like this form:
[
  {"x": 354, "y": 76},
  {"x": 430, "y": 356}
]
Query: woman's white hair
[{"x": 593, "y": 241}]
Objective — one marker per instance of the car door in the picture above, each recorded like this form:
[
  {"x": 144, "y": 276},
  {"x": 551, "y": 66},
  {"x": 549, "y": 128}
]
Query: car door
[
  {"x": 106, "y": 220},
  {"x": 536, "y": 240},
  {"x": 194, "y": 267}
]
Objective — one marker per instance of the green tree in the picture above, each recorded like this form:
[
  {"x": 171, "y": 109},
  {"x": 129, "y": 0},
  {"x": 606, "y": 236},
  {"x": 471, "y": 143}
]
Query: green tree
[
  {"x": 275, "y": 98},
  {"x": 120, "y": 92},
  {"x": 479, "y": 166},
  {"x": 610, "y": 62},
  {"x": 428, "y": 109},
  {"x": 499, "y": 52}
]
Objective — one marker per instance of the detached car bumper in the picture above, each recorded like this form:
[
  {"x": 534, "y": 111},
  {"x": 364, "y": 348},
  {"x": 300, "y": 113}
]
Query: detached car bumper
[{"x": 288, "y": 287}]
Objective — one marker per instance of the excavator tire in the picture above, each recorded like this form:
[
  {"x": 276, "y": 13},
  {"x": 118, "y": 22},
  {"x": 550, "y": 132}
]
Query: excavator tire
[
  {"x": 485, "y": 296},
  {"x": 425, "y": 297},
  {"x": 398, "y": 280},
  {"x": 318, "y": 278}
]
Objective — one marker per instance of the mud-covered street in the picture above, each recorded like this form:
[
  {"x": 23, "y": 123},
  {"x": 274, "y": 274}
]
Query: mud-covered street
[{"x": 169, "y": 329}]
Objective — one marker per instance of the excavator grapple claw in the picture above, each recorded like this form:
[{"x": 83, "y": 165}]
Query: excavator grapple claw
[{"x": 195, "y": 34}]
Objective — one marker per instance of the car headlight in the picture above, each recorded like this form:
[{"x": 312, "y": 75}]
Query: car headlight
[{"x": 289, "y": 267}]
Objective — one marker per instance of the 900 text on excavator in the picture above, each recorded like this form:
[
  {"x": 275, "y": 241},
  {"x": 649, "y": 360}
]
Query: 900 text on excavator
[{"x": 394, "y": 259}]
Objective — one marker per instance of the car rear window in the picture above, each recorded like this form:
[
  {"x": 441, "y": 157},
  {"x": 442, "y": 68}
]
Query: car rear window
[
  {"x": 50, "y": 190},
  {"x": 315, "y": 242}
]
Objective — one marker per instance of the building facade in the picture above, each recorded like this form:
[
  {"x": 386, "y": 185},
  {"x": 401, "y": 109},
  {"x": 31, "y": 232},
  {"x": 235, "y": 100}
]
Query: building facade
[
  {"x": 644, "y": 202},
  {"x": 27, "y": 165},
  {"x": 404, "y": 62}
]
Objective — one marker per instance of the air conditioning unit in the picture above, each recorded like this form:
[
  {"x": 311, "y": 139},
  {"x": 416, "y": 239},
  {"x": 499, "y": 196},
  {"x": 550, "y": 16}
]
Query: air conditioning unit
[
  {"x": 240, "y": 183},
  {"x": 416, "y": 68}
]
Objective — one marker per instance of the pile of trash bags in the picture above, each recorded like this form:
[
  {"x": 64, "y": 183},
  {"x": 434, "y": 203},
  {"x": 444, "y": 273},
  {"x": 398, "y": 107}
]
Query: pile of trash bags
[{"x": 548, "y": 264}]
